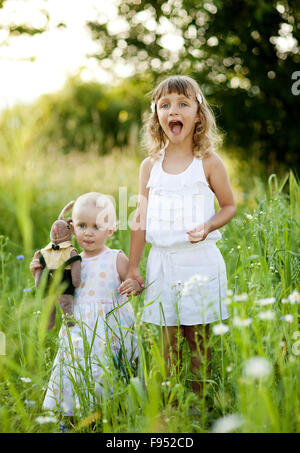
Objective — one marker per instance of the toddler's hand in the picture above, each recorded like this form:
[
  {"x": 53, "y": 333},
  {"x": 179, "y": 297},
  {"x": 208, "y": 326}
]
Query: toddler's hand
[
  {"x": 35, "y": 264},
  {"x": 134, "y": 274},
  {"x": 199, "y": 233},
  {"x": 130, "y": 287}
]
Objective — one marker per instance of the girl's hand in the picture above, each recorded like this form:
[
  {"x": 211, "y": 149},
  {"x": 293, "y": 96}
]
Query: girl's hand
[
  {"x": 199, "y": 233},
  {"x": 132, "y": 274},
  {"x": 130, "y": 287},
  {"x": 135, "y": 275},
  {"x": 35, "y": 263}
]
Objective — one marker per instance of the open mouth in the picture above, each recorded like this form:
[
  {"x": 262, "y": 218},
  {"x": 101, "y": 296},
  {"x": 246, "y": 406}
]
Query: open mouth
[{"x": 175, "y": 127}]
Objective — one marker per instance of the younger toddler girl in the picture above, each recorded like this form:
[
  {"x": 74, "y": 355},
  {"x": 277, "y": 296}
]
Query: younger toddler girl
[{"x": 104, "y": 321}]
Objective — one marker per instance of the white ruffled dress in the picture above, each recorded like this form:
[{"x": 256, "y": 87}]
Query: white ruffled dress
[
  {"x": 186, "y": 283},
  {"x": 104, "y": 328}
]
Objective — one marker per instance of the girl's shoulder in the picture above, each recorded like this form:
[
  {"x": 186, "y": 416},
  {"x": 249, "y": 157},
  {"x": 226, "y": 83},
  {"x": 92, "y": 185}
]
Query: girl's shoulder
[
  {"x": 147, "y": 164},
  {"x": 145, "y": 171},
  {"x": 210, "y": 162},
  {"x": 211, "y": 157}
]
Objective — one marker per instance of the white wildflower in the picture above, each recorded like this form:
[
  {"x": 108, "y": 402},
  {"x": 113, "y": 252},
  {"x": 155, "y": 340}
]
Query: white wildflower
[
  {"x": 257, "y": 368},
  {"x": 104, "y": 420},
  {"x": 227, "y": 301},
  {"x": 180, "y": 283},
  {"x": 46, "y": 419},
  {"x": 294, "y": 297},
  {"x": 199, "y": 278},
  {"x": 266, "y": 315},
  {"x": 241, "y": 322},
  {"x": 30, "y": 403},
  {"x": 227, "y": 424},
  {"x": 186, "y": 289},
  {"x": 65, "y": 406},
  {"x": 193, "y": 283},
  {"x": 229, "y": 293},
  {"x": 220, "y": 329},
  {"x": 287, "y": 318},
  {"x": 249, "y": 216},
  {"x": 196, "y": 278},
  {"x": 25, "y": 379},
  {"x": 241, "y": 297},
  {"x": 229, "y": 369},
  {"x": 267, "y": 301}
]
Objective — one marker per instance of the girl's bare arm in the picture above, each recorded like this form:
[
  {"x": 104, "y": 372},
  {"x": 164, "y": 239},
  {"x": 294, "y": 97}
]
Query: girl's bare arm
[
  {"x": 220, "y": 185},
  {"x": 138, "y": 230},
  {"x": 132, "y": 286}
]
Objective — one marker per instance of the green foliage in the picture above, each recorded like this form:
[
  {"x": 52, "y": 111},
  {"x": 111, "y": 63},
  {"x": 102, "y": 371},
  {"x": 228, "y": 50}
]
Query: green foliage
[
  {"x": 239, "y": 64},
  {"x": 260, "y": 250},
  {"x": 85, "y": 116},
  {"x": 230, "y": 48},
  {"x": 260, "y": 247}
]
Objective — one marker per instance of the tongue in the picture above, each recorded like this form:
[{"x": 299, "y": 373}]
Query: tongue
[{"x": 176, "y": 128}]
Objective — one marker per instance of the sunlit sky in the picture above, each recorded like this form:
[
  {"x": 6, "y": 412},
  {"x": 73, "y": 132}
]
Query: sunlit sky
[{"x": 60, "y": 52}]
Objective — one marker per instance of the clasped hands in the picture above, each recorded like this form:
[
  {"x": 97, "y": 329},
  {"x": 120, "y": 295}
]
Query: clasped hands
[
  {"x": 130, "y": 286},
  {"x": 133, "y": 284}
]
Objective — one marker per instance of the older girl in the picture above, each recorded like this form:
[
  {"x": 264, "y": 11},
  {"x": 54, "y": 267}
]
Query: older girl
[{"x": 178, "y": 183}]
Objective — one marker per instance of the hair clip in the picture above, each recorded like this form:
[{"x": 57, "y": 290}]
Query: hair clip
[
  {"x": 199, "y": 98},
  {"x": 152, "y": 106}
]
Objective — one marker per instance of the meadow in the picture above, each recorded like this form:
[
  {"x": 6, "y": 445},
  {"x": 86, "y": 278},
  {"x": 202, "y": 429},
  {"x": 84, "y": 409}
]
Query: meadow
[{"x": 254, "y": 383}]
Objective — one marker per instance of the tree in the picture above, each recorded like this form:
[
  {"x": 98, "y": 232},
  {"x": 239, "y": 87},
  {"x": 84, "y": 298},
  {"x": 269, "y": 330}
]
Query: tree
[
  {"x": 234, "y": 49},
  {"x": 83, "y": 116}
]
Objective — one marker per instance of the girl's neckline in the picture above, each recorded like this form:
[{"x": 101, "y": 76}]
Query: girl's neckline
[
  {"x": 184, "y": 171},
  {"x": 95, "y": 256},
  {"x": 174, "y": 174}
]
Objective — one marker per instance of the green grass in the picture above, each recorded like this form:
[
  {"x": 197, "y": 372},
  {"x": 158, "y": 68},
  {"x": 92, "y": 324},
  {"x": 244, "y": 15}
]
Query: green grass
[{"x": 261, "y": 250}]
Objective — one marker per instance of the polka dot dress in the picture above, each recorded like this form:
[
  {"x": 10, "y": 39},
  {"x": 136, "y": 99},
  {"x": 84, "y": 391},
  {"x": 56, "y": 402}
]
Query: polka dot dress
[{"x": 102, "y": 325}]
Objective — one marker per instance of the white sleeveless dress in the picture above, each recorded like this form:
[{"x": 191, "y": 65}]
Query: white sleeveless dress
[
  {"x": 97, "y": 331},
  {"x": 186, "y": 283}
]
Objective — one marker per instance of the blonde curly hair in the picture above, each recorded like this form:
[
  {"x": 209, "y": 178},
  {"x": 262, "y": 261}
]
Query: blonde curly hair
[{"x": 206, "y": 135}]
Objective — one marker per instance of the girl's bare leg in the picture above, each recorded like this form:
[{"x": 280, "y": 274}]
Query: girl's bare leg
[{"x": 198, "y": 340}]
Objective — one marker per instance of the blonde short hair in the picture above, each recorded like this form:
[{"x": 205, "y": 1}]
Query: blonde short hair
[
  {"x": 105, "y": 203},
  {"x": 206, "y": 135}
]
